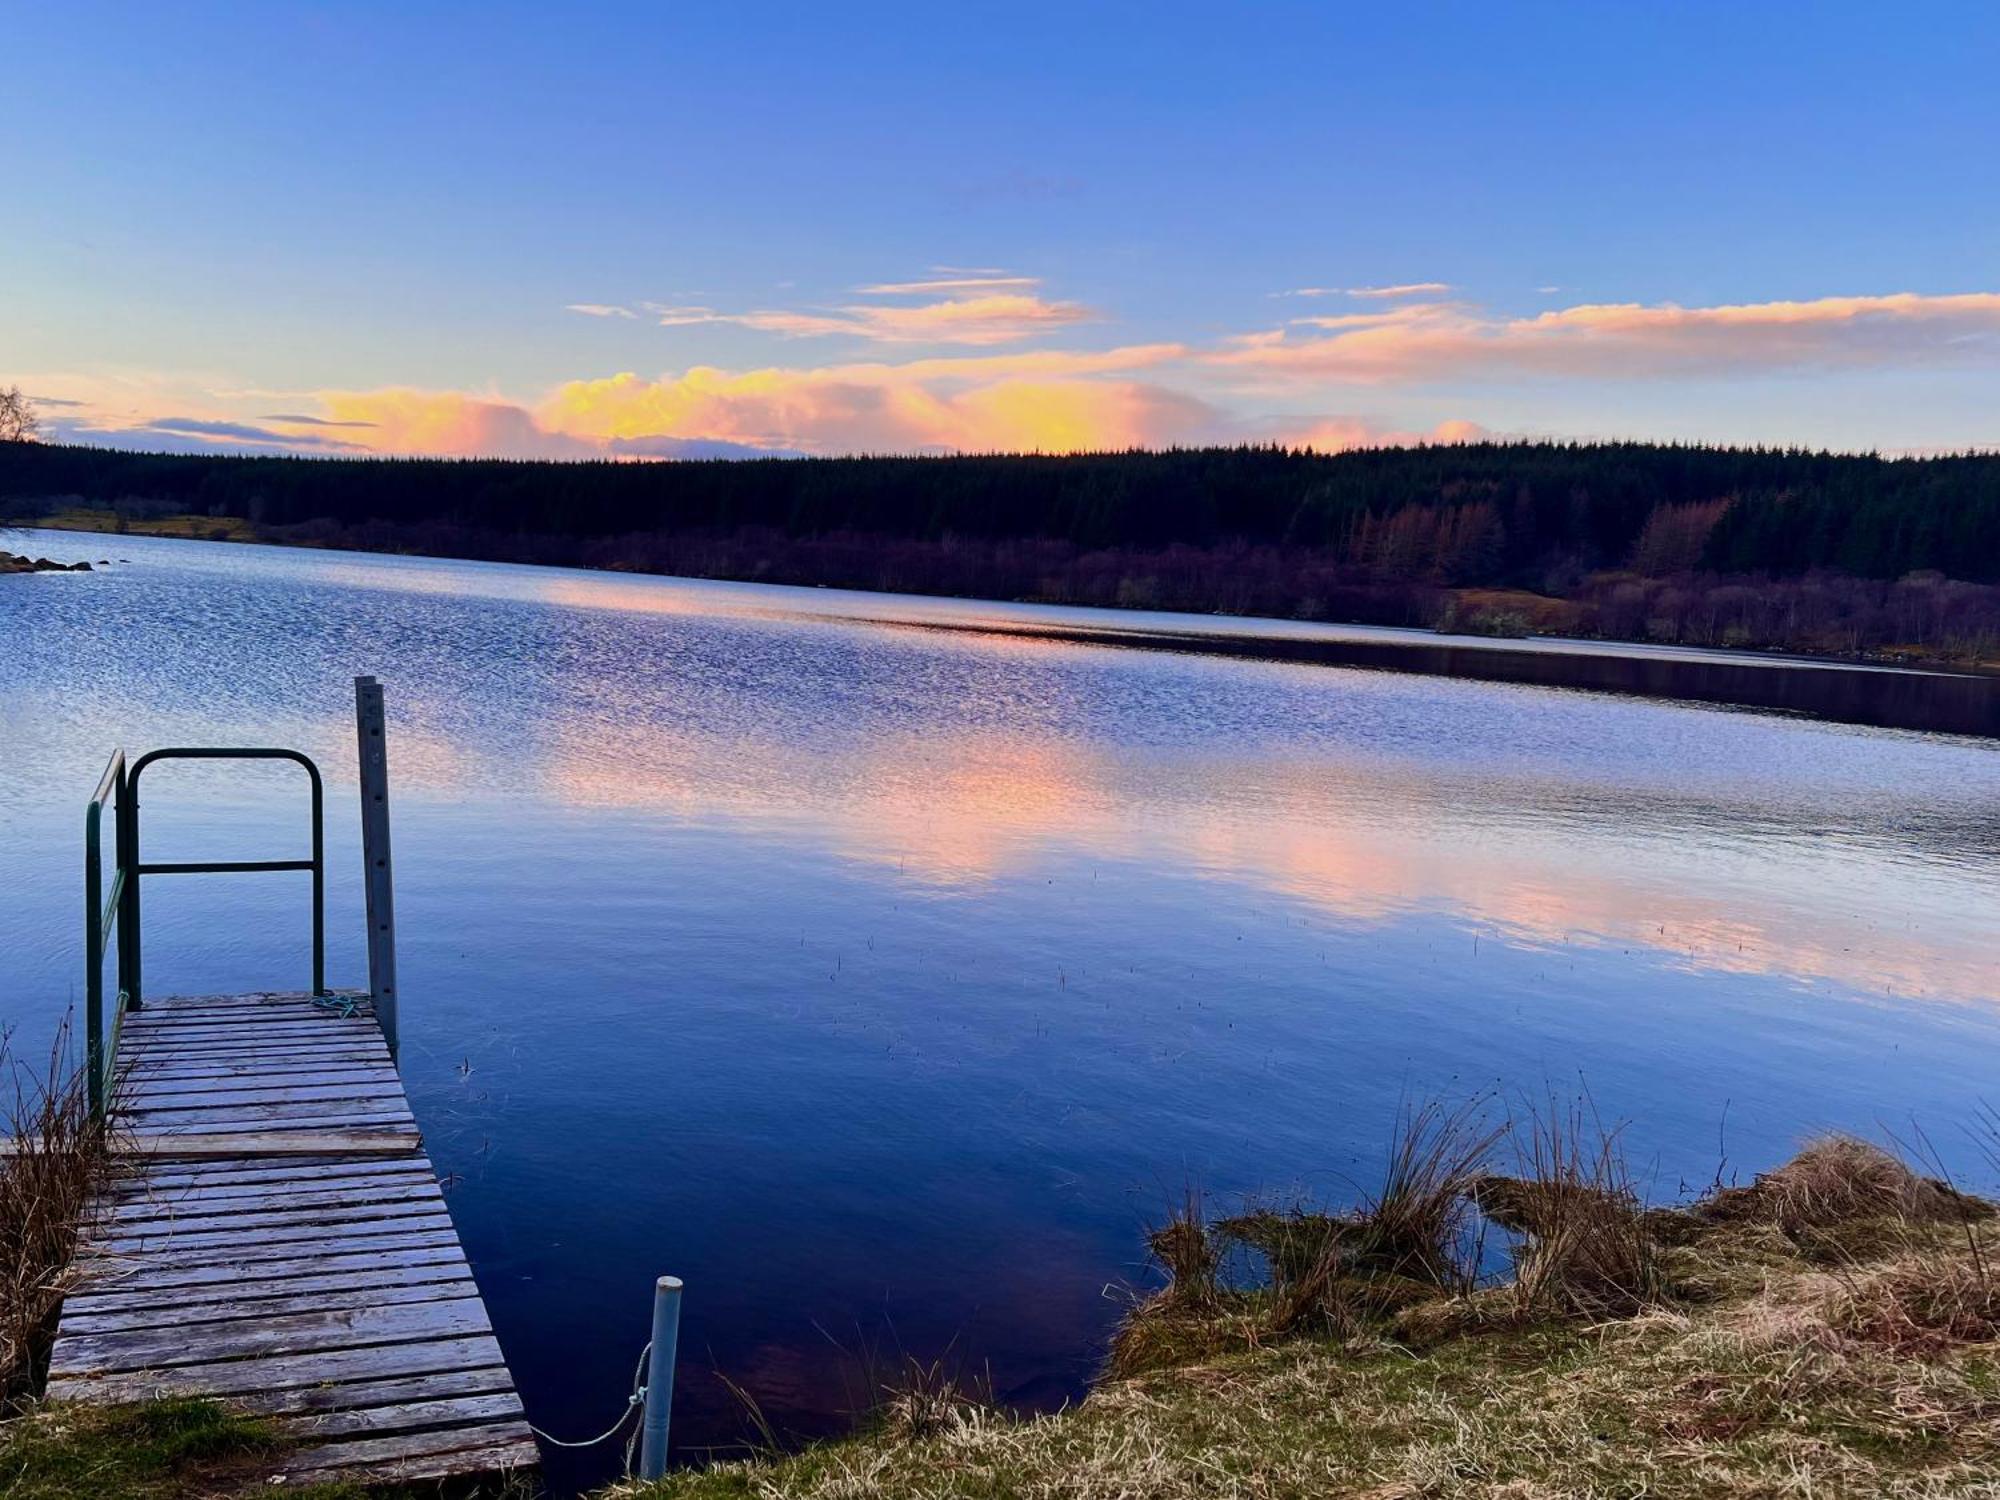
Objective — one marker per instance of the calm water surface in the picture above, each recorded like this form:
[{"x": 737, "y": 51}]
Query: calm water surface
[{"x": 883, "y": 982}]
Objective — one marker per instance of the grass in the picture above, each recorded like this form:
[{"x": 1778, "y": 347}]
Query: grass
[
  {"x": 1831, "y": 1330},
  {"x": 161, "y": 1450},
  {"x": 181, "y": 1448},
  {"x": 200, "y": 528},
  {"x": 46, "y": 1183}
]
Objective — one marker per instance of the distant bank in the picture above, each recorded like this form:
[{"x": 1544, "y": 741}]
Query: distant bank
[
  {"x": 1845, "y": 555},
  {"x": 1935, "y": 700}
]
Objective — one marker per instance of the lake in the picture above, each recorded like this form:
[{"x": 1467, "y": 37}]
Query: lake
[{"x": 883, "y": 966}]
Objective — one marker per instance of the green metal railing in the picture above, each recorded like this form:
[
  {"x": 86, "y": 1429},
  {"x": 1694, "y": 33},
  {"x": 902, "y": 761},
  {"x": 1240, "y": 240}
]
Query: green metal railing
[{"x": 119, "y": 788}]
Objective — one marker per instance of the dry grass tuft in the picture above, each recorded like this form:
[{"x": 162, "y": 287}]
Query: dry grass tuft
[
  {"x": 925, "y": 1400},
  {"x": 1420, "y": 1225},
  {"x": 47, "y": 1182},
  {"x": 1838, "y": 1180},
  {"x": 1588, "y": 1248},
  {"x": 1186, "y": 1251},
  {"x": 1404, "y": 1243},
  {"x": 1922, "y": 1303}
]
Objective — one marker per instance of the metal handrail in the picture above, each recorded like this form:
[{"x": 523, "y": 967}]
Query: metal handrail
[
  {"x": 121, "y": 784},
  {"x": 99, "y": 916}
]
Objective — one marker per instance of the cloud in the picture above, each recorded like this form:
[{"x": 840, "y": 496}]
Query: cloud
[
  {"x": 994, "y": 318},
  {"x": 1341, "y": 434},
  {"x": 1402, "y": 289},
  {"x": 173, "y": 434},
  {"x": 304, "y": 421},
  {"x": 401, "y": 420},
  {"x": 956, "y": 305},
  {"x": 600, "y": 310},
  {"x": 880, "y": 409},
  {"x": 963, "y": 281},
  {"x": 203, "y": 427},
  {"x": 1432, "y": 341}
]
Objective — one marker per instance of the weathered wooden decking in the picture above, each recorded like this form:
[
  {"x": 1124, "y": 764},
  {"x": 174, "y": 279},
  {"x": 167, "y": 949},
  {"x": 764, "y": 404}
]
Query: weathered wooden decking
[{"x": 279, "y": 1241}]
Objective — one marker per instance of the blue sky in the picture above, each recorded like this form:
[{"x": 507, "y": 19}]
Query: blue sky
[{"x": 223, "y": 218}]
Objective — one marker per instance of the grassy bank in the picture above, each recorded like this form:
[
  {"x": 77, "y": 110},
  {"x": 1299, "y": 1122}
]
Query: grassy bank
[{"x": 1830, "y": 1331}]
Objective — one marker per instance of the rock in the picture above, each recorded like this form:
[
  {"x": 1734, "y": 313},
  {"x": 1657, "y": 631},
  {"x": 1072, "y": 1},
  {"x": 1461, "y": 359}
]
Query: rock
[{"x": 11, "y": 563}]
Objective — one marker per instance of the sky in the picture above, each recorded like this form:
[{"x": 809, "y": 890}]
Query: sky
[{"x": 659, "y": 230}]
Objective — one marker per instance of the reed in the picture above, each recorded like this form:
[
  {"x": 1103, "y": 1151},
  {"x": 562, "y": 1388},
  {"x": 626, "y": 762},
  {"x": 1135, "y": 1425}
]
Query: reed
[{"x": 55, "y": 1159}]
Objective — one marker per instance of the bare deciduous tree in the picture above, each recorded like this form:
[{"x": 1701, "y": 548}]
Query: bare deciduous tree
[{"x": 19, "y": 421}]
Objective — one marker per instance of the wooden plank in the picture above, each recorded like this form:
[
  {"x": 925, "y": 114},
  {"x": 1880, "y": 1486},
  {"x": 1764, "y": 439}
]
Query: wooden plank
[
  {"x": 276, "y": 1000},
  {"x": 276, "y": 1372},
  {"x": 225, "y": 1179},
  {"x": 427, "y": 1202},
  {"x": 244, "y": 1144},
  {"x": 236, "y": 1116},
  {"x": 311, "y": 1231},
  {"x": 335, "y": 1298},
  {"x": 301, "y": 1127},
  {"x": 277, "y": 1035},
  {"x": 329, "y": 1207},
  {"x": 263, "y": 1279},
  {"x": 295, "y": 1333},
  {"x": 422, "y": 1249},
  {"x": 479, "y": 1450},
  {"x": 156, "y": 1078},
  {"x": 220, "y": 1197},
  {"x": 457, "y": 1412},
  {"x": 356, "y": 1395},
  {"x": 210, "y": 1053},
  {"x": 256, "y": 1299},
  {"x": 151, "y": 1099},
  {"x": 251, "y": 1034}
]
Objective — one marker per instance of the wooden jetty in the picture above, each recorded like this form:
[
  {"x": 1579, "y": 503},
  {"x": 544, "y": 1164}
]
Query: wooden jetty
[
  {"x": 278, "y": 1240},
  {"x": 275, "y": 1236}
]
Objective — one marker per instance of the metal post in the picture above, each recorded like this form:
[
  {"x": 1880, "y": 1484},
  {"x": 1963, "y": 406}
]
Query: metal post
[
  {"x": 93, "y": 957},
  {"x": 660, "y": 1378},
  {"x": 130, "y": 986},
  {"x": 370, "y": 729}
]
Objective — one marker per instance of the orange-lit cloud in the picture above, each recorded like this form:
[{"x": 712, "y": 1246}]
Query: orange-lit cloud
[
  {"x": 448, "y": 422},
  {"x": 1272, "y": 384},
  {"x": 981, "y": 306},
  {"x": 1340, "y": 434},
  {"x": 1434, "y": 341},
  {"x": 876, "y": 409}
]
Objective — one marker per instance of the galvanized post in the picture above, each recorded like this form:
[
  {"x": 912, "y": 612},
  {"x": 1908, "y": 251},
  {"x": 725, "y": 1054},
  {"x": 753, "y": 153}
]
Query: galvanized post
[
  {"x": 93, "y": 956},
  {"x": 370, "y": 728},
  {"x": 131, "y": 988},
  {"x": 660, "y": 1378}
]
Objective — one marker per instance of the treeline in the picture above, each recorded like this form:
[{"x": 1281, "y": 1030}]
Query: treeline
[{"x": 1738, "y": 546}]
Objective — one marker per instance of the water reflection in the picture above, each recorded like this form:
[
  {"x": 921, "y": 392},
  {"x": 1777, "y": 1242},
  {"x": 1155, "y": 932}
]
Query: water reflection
[{"x": 887, "y": 978}]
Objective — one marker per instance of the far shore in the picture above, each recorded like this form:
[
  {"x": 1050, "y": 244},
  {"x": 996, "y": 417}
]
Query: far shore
[{"x": 1885, "y": 690}]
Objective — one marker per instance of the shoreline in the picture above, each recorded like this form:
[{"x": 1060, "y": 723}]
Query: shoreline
[{"x": 1931, "y": 697}]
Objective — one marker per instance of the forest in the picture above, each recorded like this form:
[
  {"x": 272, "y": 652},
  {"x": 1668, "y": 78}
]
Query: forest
[{"x": 1844, "y": 553}]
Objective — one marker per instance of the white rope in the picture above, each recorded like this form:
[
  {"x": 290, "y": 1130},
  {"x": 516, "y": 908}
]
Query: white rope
[{"x": 637, "y": 1398}]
